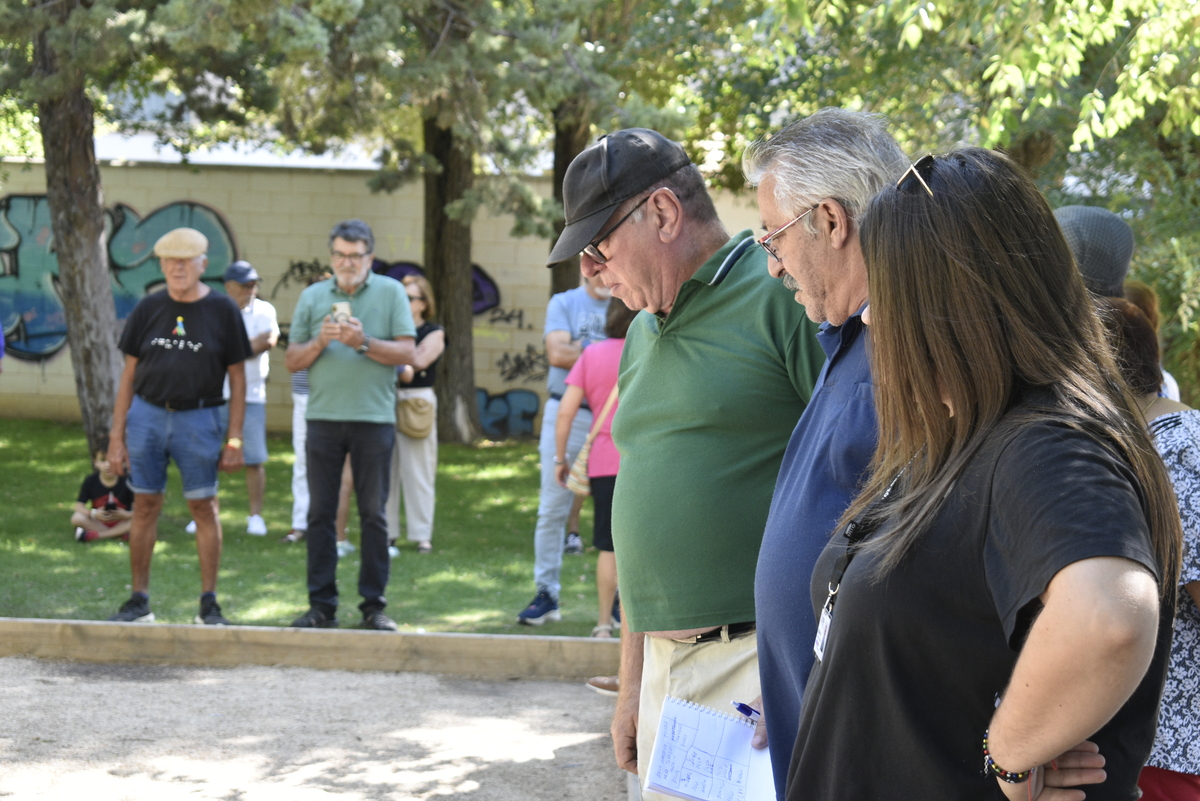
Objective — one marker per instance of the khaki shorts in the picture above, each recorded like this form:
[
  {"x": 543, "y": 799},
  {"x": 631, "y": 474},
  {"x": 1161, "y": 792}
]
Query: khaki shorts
[{"x": 711, "y": 673}]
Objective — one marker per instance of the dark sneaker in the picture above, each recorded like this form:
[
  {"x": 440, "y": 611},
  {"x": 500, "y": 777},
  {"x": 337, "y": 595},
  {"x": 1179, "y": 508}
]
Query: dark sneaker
[
  {"x": 135, "y": 610},
  {"x": 540, "y": 609},
  {"x": 574, "y": 543},
  {"x": 210, "y": 614},
  {"x": 315, "y": 619},
  {"x": 379, "y": 621}
]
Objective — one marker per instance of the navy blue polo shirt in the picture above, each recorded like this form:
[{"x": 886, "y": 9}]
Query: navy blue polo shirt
[{"x": 825, "y": 462}]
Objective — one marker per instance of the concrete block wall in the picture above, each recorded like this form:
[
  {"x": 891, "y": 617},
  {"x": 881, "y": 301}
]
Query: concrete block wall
[{"x": 278, "y": 215}]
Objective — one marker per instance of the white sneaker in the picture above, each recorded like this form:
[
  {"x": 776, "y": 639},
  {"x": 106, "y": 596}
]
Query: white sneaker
[
  {"x": 393, "y": 551},
  {"x": 256, "y": 525},
  {"x": 345, "y": 548},
  {"x": 190, "y": 528}
]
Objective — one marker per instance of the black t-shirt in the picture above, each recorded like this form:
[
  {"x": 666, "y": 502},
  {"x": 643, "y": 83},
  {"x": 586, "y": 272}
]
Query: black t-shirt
[
  {"x": 183, "y": 349},
  {"x": 426, "y": 377},
  {"x": 93, "y": 493},
  {"x": 913, "y": 663}
]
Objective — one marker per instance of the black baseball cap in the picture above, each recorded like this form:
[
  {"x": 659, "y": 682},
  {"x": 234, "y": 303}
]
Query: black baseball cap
[
  {"x": 241, "y": 272},
  {"x": 608, "y": 173}
]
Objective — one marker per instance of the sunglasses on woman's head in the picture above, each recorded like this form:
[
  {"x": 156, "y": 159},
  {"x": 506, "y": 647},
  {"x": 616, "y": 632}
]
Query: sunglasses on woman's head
[{"x": 920, "y": 171}]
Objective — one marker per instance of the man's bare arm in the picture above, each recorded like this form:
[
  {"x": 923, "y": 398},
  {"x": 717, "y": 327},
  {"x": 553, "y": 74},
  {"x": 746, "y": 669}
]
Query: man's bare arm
[
  {"x": 561, "y": 350},
  {"x": 625, "y": 717},
  {"x": 301, "y": 355},
  {"x": 117, "y": 455}
]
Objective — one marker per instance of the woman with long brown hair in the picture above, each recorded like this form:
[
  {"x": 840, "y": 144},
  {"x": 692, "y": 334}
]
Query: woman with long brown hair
[{"x": 1001, "y": 590}]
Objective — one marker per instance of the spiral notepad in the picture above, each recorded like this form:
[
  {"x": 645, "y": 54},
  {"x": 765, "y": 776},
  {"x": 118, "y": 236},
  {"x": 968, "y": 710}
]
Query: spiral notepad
[{"x": 705, "y": 755}]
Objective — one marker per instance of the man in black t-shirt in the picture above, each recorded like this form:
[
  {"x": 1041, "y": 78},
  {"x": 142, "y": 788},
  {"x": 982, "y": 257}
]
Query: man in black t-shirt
[{"x": 179, "y": 345}]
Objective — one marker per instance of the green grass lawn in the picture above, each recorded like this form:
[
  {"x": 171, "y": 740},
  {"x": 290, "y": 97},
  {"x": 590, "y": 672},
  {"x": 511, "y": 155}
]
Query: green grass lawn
[{"x": 476, "y": 580}]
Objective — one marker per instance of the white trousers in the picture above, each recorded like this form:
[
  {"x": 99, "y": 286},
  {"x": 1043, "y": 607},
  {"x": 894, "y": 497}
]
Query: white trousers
[
  {"x": 414, "y": 469},
  {"x": 300, "y": 466}
]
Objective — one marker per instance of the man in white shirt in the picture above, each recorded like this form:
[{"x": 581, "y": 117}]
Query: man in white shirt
[{"x": 262, "y": 329}]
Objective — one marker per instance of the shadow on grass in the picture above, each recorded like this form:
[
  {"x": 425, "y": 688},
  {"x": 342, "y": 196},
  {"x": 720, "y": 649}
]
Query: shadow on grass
[{"x": 477, "y": 579}]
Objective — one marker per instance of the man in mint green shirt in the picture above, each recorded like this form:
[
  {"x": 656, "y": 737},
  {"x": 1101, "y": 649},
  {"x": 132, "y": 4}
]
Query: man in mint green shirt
[
  {"x": 350, "y": 332},
  {"x": 714, "y": 375}
]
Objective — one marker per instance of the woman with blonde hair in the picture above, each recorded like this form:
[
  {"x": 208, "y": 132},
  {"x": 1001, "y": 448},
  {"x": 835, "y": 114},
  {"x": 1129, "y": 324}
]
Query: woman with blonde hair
[
  {"x": 414, "y": 457},
  {"x": 1000, "y": 593}
]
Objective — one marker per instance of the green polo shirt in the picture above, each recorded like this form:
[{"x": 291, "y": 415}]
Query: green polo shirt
[
  {"x": 346, "y": 385},
  {"x": 708, "y": 399}
]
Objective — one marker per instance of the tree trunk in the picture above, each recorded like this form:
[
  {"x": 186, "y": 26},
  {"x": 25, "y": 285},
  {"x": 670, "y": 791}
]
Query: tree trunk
[
  {"x": 572, "y": 130},
  {"x": 75, "y": 200},
  {"x": 448, "y": 267}
]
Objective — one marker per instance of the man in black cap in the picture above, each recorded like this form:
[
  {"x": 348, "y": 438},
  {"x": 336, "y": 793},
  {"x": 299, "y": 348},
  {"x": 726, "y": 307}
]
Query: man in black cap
[{"x": 714, "y": 377}]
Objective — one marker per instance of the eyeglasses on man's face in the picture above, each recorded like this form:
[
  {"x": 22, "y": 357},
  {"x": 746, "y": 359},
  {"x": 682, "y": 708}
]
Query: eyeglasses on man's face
[
  {"x": 592, "y": 249},
  {"x": 765, "y": 240},
  {"x": 414, "y": 298},
  {"x": 337, "y": 256}
]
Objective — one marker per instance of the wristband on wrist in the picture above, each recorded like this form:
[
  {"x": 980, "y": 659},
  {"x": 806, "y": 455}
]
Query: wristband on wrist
[
  {"x": 990, "y": 766},
  {"x": 558, "y": 461},
  {"x": 234, "y": 442}
]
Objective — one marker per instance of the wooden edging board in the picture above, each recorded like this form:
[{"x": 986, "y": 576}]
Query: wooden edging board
[{"x": 482, "y": 655}]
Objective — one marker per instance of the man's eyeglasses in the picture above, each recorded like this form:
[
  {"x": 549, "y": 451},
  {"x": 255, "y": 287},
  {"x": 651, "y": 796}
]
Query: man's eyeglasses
[
  {"x": 921, "y": 169},
  {"x": 765, "y": 241},
  {"x": 592, "y": 249},
  {"x": 412, "y": 298},
  {"x": 337, "y": 256}
]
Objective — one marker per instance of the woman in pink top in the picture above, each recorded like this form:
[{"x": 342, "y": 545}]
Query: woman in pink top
[{"x": 593, "y": 377}]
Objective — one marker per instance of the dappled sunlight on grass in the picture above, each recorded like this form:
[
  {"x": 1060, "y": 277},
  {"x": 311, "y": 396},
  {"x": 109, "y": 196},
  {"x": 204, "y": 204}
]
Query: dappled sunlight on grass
[{"x": 478, "y": 577}]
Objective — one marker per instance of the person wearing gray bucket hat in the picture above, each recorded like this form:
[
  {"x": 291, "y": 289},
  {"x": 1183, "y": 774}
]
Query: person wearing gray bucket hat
[
  {"x": 1102, "y": 244},
  {"x": 713, "y": 378}
]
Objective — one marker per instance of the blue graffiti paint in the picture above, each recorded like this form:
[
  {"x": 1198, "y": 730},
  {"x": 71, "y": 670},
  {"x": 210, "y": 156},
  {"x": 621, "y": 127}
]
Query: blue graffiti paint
[
  {"x": 485, "y": 294},
  {"x": 31, "y": 310},
  {"x": 509, "y": 414}
]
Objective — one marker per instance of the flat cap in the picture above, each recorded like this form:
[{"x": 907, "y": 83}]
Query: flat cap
[
  {"x": 241, "y": 272},
  {"x": 608, "y": 173},
  {"x": 1102, "y": 244},
  {"x": 181, "y": 243}
]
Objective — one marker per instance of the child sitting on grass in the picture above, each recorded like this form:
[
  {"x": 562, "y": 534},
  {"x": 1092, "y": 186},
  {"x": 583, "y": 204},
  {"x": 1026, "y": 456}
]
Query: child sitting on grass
[{"x": 104, "y": 508}]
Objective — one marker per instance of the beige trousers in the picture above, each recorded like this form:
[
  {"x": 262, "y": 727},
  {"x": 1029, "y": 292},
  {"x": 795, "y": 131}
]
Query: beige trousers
[
  {"x": 414, "y": 470},
  {"x": 712, "y": 673}
]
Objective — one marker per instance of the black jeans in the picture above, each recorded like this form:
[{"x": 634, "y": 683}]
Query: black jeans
[{"x": 370, "y": 449}]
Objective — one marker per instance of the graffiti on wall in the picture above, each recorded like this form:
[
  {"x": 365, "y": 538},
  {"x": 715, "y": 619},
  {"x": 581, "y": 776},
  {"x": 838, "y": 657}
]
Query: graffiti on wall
[
  {"x": 509, "y": 414},
  {"x": 515, "y": 317},
  {"x": 532, "y": 365},
  {"x": 484, "y": 292},
  {"x": 31, "y": 310}
]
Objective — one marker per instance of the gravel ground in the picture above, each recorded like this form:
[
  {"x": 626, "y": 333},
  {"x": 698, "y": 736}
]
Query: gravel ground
[{"x": 104, "y": 732}]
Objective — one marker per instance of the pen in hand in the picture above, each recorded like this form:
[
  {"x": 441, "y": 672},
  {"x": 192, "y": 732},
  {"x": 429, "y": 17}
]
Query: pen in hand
[{"x": 746, "y": 710}]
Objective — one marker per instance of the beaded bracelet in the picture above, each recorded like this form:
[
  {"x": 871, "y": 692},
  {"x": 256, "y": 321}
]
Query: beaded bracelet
[{"x": 990, "y": 766}]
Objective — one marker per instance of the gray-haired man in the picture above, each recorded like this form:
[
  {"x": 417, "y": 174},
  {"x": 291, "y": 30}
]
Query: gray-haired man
[
  {"x": 350, "y": 332},
  {"x": 713, "y": 376},
  {"x": 815, "y": 178}
]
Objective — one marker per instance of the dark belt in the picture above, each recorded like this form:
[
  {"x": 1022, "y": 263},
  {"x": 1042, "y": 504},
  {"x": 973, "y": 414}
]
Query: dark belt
[
  {"x": 731, "y": 631},
  {"x": 558, "y": 396},
  {"x": 188, "y": 405}
]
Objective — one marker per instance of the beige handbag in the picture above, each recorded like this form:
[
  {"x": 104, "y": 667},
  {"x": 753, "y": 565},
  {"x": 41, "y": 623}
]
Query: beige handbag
[
  {"x": 415, "y": 417},
  {"x": 577, "y": 479}
]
